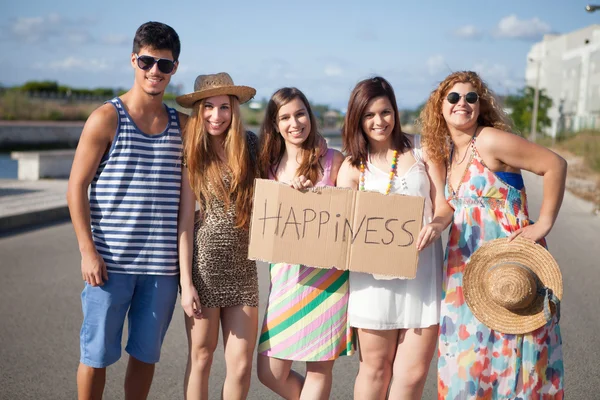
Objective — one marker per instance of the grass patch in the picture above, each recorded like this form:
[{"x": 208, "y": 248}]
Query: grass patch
[
  {"x": 585, "y": 144},
  {"x": 582, "y": 150},
  {"x": 17, "y": 106},
  {"x": 543, "y": 140}
]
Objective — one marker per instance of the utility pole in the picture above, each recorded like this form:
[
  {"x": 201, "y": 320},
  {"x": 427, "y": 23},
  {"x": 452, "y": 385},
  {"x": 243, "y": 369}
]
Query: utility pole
[{"x": 536, "y": 101}]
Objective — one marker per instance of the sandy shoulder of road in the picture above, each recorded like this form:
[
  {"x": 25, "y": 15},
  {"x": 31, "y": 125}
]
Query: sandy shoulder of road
[{"x": 582, "y": 181}]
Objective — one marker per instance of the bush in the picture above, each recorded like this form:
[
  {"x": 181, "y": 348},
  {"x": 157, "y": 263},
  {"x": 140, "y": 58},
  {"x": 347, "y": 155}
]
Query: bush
[
  {"x": 55, "y": 115},
  {"x": 15, "y": 105},
  {"x": 585, "y": 144},
  {"x": 43, "y": 86},
  {"x": 12, "y": 104}
]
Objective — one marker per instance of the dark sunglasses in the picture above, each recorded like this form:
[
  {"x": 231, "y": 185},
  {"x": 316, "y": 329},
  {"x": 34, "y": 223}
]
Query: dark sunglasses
[
  {"x": 470, "y": 97},
  {"x": 165, "y": 65}
]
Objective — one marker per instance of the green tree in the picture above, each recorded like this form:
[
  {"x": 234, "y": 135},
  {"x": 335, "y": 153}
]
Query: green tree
[
  {"x": 408, "y": 116},
  {"x": 319, "y": 110},
  {"x": 520, "y": 106},
  {"x": 40, "y": 86}
]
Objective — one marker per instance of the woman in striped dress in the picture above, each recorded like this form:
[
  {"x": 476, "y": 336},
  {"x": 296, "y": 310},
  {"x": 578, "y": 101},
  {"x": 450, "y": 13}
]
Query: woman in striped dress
[{"x": 305, "y": 319}]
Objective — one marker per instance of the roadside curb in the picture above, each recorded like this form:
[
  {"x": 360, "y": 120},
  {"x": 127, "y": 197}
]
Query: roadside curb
[{"x": 12, "y": 223}]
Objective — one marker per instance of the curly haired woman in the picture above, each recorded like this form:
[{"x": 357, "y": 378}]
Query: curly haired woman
[{"x": 464, "y": 125}]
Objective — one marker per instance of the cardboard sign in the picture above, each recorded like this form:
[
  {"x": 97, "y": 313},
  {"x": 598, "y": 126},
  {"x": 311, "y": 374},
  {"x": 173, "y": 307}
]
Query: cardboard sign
[{"x": 335, "y": 227}]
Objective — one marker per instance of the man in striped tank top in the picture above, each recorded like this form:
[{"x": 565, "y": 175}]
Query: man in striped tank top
[{"x": 129, "y": 157}]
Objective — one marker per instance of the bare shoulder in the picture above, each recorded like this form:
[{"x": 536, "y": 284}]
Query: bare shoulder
[
  {"x": 417, "y": 139},
  {"x": 348, "y": 169},
  {"x": 411, "y": 137},
  {"x": 491, "y": 138},
  {"x": 425, "y": 154},
  {"x": 102, "y": 123},
  {"x": 336, "y": 163},
  {"x": 505, "y": 151},
  {"x": 348, "y": 176},
  {"x": 346, "y": 163},
  {"x": 414, "y": 140},
  {"x": 98, "y": 132},
  {"x": 338, "y": 157},
  {"x": 183, "y": 119}
]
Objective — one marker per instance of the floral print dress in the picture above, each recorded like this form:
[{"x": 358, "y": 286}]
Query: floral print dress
[{"x": 476, "y": 362}]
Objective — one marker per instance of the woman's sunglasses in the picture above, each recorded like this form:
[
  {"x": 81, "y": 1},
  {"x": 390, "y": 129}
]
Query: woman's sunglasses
[
  {"x": 165, "y": 65},
  {"x": 470, "y": 97}
]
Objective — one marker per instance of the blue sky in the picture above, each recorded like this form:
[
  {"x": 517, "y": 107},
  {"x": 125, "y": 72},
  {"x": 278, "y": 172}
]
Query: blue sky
[{"x": 322, "y": 47}]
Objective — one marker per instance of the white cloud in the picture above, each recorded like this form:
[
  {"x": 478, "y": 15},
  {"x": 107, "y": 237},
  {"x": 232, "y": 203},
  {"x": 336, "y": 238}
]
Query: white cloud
[
  {"x": 35, "y": 29},
  {"x": 333, "y": 70},
  {"x": 512, "y": 27},
  {"x": 436, "y": 64},
  {"x": 116, "y": 40},
  {"x": 39, "y": 29},
  {"x": 468, "y": 32},
  {"x": 74, "y": 63},
  {"x": 78, "y": 37},
  {"x": 276, "y": 69}
]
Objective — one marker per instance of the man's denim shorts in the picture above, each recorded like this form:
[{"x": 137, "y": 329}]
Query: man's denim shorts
[{"x": 148, "y": 300}]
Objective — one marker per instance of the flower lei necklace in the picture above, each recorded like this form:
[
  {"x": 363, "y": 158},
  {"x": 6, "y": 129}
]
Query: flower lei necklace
[{"x": 361, "y": 185}]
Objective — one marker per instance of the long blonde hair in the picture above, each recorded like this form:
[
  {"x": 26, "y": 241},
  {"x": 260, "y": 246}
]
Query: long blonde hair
[
  {"x": 435, "y": 133},
  {"x": 205, "y": 168}
]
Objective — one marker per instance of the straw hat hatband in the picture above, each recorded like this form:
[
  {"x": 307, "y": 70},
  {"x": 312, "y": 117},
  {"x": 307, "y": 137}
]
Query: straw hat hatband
[
  {"x": 513, "y": 287},
  {"x": 215, "y": 85}
]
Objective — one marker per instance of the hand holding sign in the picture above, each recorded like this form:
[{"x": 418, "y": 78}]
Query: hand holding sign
[
  {"x": 300, "y": 182},
  {"x": 429, "y": 234},
  {"x": 360, "y": 231}
]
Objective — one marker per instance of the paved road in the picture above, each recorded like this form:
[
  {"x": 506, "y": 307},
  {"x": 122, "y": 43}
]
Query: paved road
[{"x": 41, "y": 315}]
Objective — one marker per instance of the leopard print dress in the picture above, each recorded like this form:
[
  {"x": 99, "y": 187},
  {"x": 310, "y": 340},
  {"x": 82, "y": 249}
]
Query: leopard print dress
[{"x": 221, "y": 271}]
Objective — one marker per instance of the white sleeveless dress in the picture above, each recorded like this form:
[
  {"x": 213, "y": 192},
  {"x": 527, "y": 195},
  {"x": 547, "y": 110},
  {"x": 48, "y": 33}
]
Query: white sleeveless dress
[{"x": 384, "y": 304}]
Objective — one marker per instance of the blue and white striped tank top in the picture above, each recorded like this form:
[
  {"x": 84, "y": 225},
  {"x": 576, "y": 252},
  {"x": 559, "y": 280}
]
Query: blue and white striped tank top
[{"x": 134, "y": 198}]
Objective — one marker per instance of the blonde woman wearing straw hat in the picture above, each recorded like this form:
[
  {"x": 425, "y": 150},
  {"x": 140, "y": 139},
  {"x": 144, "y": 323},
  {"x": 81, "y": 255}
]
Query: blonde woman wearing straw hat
[
  {"x": 219, "y": 285},
  {"x": 464, "y": 125}
]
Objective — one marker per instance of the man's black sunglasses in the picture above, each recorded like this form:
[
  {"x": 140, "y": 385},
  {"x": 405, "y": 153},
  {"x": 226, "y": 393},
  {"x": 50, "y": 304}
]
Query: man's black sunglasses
[
  {"x": 165, "y": 65},
  {"x": 470, "y": 97}
]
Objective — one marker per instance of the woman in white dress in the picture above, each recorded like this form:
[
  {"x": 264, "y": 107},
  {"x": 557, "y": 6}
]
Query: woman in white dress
[{"x": 396, "y": 319}]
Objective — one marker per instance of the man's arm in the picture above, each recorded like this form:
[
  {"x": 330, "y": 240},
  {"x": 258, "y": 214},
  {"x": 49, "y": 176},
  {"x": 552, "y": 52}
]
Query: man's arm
[{"x": 95, "y": 140}]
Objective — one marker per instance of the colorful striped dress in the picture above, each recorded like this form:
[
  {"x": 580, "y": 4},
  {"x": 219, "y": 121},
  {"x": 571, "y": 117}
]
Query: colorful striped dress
[
  {"x": 305, "y": 319},
  {"x": 474, "y": 360}
]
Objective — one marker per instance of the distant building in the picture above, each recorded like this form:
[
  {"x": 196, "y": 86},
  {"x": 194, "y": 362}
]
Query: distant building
[
  {"x": 255, "y": 105},
  {"x": 568, "y": 68},
  {"x": 331, "y": 119}
]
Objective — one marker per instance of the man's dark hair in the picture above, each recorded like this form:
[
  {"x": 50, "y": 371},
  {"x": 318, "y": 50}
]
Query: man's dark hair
[{"x": 158, "y": 36}]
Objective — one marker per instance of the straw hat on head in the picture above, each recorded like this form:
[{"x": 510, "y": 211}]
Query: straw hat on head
[
  {"x": 513, "y": 287},
  {"x": 215, "y": 85}
]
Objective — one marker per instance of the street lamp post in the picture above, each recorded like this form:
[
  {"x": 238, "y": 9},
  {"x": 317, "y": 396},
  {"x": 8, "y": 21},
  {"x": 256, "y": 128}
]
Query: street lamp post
[
  {"x": 591, "y": 8},
  {"x": 536, "y": 101}
]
